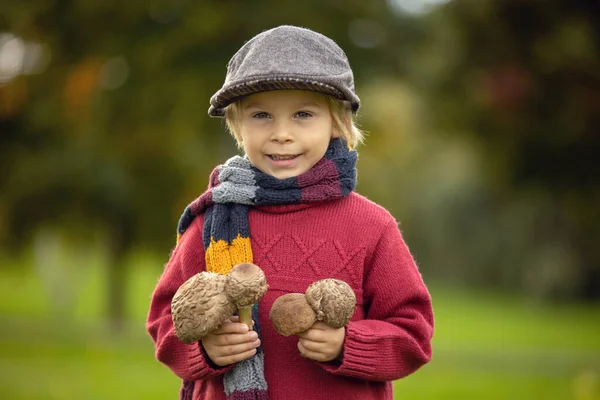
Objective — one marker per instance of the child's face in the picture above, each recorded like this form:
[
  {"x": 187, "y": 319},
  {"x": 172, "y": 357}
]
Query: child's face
[{"x": 285, "y": 132}]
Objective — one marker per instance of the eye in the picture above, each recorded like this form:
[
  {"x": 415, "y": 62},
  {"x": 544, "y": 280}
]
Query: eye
[
  {"x": 303, "y": 114},
  {"x": 260, "y": 115}
]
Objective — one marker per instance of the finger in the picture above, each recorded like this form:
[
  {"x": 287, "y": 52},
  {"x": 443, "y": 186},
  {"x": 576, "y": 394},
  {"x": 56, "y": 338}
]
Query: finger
[
  {"x": 235, "y": 338},
  {"x": 234, "y": 358},
  {"x": 312, "y": 346},
  {"x": 232, "y": 350},
  {"x": 313, "y": 355},
  {"x": 231, "y": 327}
]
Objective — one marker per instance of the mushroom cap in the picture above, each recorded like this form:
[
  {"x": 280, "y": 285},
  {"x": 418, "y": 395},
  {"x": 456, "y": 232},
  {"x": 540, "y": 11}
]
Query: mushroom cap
[
  {"x": 332, "y": 300},
  {"x": 246, "y": 283},
  {"x": 291, "y": 314},
  {"x": 200, "y": 306}
]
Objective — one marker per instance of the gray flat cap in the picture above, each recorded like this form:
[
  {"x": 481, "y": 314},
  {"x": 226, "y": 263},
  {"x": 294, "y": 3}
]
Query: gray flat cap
[{"x": 286, "y": 57}]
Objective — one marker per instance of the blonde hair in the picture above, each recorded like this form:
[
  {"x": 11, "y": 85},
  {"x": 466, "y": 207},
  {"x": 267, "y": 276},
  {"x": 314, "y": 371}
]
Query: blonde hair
[{"x": 341, "y": 113}]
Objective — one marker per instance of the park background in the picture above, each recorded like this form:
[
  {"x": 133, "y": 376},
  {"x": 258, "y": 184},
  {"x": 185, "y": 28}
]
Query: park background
[{"x": 482, "y": 121}]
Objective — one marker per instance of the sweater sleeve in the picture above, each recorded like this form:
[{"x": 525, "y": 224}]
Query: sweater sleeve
[
  {"x": 394, "y": 339},
  {"x": 187, "y": 361}
]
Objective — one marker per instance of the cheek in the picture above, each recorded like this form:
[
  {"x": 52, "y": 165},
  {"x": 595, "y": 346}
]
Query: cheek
[
  {"x": 247, "y": 139},
  {"x": 251, "y": 147}
]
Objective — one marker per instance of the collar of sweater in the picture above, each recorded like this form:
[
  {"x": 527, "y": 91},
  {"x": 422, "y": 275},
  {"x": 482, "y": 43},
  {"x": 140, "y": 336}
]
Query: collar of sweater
[{"x": 289, "y": 208}]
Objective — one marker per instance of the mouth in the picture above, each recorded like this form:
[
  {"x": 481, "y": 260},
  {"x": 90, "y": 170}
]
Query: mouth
[{"x": 282, "y": 157}]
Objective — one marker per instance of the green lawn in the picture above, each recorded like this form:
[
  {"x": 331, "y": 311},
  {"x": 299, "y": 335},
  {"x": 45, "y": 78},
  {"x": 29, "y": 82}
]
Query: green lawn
[{"x": 486, "y": 346}]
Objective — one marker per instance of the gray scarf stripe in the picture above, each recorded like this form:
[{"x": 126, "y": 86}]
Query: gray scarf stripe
[
  {"x": 237, "y": 182},
  {"x": 250, "y": 376}
]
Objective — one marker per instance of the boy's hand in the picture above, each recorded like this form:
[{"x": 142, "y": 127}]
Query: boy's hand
[
  {"x": 231, "y": 343},
  {"x": 321, "y": 342}
]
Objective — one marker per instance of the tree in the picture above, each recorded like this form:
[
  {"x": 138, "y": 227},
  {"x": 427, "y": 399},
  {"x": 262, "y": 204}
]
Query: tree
[{"x": 521, "y": 79}]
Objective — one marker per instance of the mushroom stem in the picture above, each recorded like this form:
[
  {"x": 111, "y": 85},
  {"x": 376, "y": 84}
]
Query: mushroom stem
[
  {"x": 246, "y": 284},
  {"x": 245, "y": 314}
]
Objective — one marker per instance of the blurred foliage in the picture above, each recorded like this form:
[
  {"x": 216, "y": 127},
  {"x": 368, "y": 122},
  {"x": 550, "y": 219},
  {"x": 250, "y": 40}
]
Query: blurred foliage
[
  {"x": 145, "y": 147},
  {"x": 520, "y": 81},
  {"x": 482, "y": 119}
]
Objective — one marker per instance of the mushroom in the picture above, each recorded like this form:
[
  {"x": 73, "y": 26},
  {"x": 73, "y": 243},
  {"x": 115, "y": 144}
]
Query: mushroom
[
  {"x": 291, "y": 314},
  {"x": 329, "y": 300},
  {"x": 206, "y": 300}
]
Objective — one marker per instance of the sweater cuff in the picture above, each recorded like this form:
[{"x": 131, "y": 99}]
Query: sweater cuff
[
  {"x": 189, "y": 361},
  {"x": 202, "y": 366},
  {"x": 361, "y": 358}
]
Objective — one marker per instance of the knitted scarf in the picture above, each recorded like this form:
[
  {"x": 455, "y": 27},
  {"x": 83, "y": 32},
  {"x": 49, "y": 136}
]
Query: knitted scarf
[{"x": 233, "y": 188}]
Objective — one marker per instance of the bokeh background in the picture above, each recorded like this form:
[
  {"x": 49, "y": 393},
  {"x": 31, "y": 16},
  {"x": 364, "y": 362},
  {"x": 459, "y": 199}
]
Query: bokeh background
[{"x": 482, "y": 120}]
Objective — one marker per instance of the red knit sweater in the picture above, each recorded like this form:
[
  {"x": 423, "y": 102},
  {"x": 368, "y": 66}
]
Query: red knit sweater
[{"x": 351, "y": 239}]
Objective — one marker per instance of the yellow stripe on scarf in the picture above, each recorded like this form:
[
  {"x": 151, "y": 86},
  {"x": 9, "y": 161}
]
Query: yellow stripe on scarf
[{"x": 222, "y": 256}]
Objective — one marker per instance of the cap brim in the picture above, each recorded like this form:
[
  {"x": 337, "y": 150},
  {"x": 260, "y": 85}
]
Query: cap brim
[{"x": 229, "y": 94}]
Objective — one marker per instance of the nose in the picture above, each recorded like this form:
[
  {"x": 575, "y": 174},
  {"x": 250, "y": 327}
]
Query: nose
[{"x": 282, "y": 133}]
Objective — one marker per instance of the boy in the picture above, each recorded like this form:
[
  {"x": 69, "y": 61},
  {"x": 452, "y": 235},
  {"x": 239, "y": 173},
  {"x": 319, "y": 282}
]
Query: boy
[{"x": 289, "y": 207}]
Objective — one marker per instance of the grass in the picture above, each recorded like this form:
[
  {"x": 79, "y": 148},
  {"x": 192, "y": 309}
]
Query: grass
[
  {"x": 494, "y": 346},
  {"x": 55, "y": 345}
]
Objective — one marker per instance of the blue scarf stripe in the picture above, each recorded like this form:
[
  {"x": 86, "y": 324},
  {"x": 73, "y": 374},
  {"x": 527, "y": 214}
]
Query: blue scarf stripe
[
  {"x": 185, "y": 220},
  {"x": 208, "y": 221},
  {"x": 346, "y": 166},
  {"x": 256, "y": 325},
  {"x": 266, "y": 181},
  {"x": 227, "y": 221},
  {"x": 270, "y": 196}
]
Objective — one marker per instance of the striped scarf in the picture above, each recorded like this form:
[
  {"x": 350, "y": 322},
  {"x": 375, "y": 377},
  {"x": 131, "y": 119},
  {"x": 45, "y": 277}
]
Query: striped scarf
[{"x": 233, "y": 188}]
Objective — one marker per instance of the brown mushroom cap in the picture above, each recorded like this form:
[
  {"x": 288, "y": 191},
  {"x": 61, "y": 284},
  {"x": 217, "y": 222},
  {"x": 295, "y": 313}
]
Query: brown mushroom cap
[
  {"x": 246, "y": 283},
  {"x": 200, "y": 306},
  {"x": 332, "y": 300},
  {"x": 291, "y": 314}
]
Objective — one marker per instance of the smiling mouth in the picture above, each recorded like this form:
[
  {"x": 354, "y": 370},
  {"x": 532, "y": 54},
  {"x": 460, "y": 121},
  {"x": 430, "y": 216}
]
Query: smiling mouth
[{"x": 276, "y": 157}]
